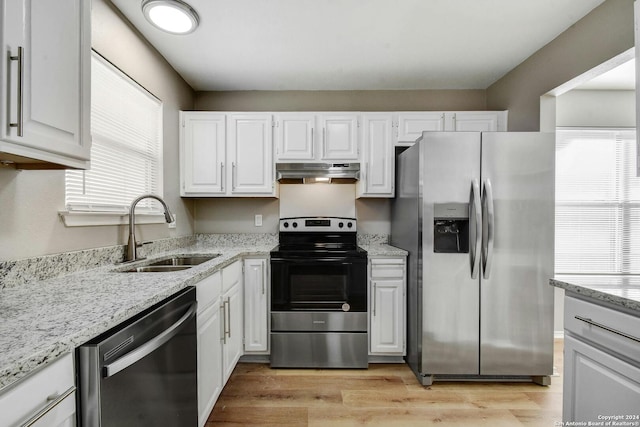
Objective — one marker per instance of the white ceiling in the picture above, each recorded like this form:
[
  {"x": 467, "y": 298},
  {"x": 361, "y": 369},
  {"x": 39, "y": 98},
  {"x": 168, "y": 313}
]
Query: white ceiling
[{"x": 358, "y": 44}]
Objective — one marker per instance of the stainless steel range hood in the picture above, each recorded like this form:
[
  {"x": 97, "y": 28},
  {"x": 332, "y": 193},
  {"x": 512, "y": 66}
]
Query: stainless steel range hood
[{"x": 294, "y": 173}]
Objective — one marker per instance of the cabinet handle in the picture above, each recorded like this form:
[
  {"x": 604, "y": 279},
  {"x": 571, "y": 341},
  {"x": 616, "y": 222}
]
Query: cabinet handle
[
  {"x": 228, "y": 314},
  {"x": 20, "y": 58},
  {"x": 53, "y": 402},
  {"x": 313, "y": 154},
  {"x": 233, "y": 176},
  {"x": 606, "y": 328},
  {"x": 222, "y": 177},
  {"x": 375, "y": 286},
  {"x": 224, "y": 322}
]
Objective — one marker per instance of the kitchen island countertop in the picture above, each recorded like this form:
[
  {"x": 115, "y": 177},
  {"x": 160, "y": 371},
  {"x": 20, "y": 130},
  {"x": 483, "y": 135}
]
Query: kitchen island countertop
[
  {"x": 44, "y": 319},
  {"x": 620, "y": 291}
]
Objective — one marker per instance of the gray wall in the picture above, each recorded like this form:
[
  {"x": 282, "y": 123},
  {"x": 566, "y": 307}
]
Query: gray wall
[
  {"x": 30, "y": 200},
  {"x": 362, "y": 100},
  {"x": 596, "y": 108},
  {"x": 601, "y": 35}
]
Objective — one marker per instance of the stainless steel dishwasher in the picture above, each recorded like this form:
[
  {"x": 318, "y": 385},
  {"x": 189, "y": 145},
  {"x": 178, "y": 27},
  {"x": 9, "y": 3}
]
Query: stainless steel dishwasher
[{"x": 143, "y": 372}]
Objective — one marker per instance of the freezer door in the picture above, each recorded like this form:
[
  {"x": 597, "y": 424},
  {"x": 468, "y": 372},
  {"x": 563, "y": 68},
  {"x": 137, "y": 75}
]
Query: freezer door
[
  {"x": 516, "y": 301},
  {"x": 450, "y": 309}
]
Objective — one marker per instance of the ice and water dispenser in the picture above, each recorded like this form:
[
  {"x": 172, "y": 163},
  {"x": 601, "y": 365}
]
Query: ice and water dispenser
[{"x": 451, "y": 227}]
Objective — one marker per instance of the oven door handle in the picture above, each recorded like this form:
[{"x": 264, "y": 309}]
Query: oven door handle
[
  {"x": 341, "y": 261},
  {"x": 151, "y": 345}
]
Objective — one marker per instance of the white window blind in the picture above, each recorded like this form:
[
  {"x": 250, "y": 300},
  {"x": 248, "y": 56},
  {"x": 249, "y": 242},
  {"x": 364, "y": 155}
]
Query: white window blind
[
  {"x": 126, "y": 151},
  {"x": 597, "y": 202}
]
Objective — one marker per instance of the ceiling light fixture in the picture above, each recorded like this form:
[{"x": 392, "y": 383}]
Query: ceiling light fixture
[{"x": 172, "y": 16}]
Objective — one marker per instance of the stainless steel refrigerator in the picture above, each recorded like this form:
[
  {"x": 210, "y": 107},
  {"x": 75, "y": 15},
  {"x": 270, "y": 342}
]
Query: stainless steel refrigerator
[{"x": 475, "y": 211}]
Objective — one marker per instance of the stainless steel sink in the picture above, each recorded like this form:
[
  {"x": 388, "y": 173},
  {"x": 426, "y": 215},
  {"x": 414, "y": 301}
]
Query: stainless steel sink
[
  {"x": 176, "y": 263},
  {"x": 190, "y": 260},
  {"x": 157, "y": 268}
]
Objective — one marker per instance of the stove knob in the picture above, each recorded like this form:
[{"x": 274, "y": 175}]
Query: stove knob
[
  {"x": 295, "y": 225},
  {"x": 286, "y": 225},
  {"x": 341, "y": 224},
  {"x": 349, "y": 225}
]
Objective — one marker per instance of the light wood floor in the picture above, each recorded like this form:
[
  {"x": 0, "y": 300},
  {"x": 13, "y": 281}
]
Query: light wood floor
[{"x": 383, "y": 395}]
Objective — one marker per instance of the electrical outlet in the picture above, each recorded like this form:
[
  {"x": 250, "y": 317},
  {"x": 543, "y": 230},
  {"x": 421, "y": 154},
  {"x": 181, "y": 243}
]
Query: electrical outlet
[
  {"x": 175, "y": 221},
  {"x": 258, "y": 221}
]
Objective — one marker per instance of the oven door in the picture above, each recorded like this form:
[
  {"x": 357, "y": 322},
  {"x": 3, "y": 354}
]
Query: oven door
[{"x": 319, "y": 284}]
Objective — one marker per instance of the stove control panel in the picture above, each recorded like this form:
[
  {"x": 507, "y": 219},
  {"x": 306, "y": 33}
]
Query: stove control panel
[{"x": 321, "y": 224}]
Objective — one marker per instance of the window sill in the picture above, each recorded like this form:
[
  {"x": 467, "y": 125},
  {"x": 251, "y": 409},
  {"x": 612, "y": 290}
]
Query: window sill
[{"x": 90, "y": 219}]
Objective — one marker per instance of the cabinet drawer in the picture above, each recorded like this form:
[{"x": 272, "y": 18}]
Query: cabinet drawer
[
  {"x": 231, "y": 275},
  {"x": 609, "y": 328},
  {"x": 387, "y": 268},
  {"x": 208, "y": 290},
  {"x": 36, "y": 392}
]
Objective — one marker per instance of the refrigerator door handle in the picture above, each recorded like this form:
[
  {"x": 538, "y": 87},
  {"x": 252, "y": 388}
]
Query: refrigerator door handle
[
  {"x": 475, "y": 216},
  {"x": 488, "y": 231}
]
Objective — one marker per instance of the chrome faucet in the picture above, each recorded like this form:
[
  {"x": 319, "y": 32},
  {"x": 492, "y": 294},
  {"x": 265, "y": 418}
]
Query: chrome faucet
[{"x": 132, "y": 246}]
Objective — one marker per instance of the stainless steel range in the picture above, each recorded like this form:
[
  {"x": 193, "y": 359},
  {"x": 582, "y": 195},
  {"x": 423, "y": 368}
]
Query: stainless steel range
[{"x": 318, "y": 295}]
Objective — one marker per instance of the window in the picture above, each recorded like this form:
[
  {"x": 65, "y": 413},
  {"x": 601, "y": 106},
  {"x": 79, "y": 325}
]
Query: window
[
  {"x": 597, "y": 202},
  {"x": 126, "y": 151}
]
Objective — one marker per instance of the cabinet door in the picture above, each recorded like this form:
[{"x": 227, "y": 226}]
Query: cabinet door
[
  {"x": 52, "y": 100},
  {"x": 51, "y": 387},
  {"x": 233, "y": 330},
  {"x": 387, "y": 306},
  {"x": 377, "y": 178},
  {"x": 256, "y": 305},
  {"x": 209, "y": 360},
  {"x": 411, "y": 125},
  {"x": 295, "y": 136},
  {"x": 250, "y": 146},
  {"x": 386, "y": 319},
  {"x": 597, "y": 383},
  {"x": 480, "y": 121},
  {"x": 202, "y": 153},
  {"x": 339, "y": 137}
]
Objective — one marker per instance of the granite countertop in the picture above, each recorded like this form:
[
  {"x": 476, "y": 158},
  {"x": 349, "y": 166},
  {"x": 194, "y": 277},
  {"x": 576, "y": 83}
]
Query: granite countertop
[
  {"x": 621, "y": 291},
  {"x": 41, "y": 320},
  {"x": 382, "y": 250}
]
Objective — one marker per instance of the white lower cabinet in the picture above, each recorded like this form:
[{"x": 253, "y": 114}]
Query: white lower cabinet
[
  {"x": 46, "y": 398},
  {"x": 256, "y": 306},
  {"x": 601, "y": 363},
  {"x": 219, "y": 334},
  {"x": 209, "y": 323},
  {"x": 387, "y": 306},
  {"x": 232, "y": 316}
]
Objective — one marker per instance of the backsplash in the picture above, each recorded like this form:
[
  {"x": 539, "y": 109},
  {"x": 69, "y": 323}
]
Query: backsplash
[
  {"x": 373, "y": 239},
  {"x": 15, "y": 273},
  {"x": 18, "y": 272}
]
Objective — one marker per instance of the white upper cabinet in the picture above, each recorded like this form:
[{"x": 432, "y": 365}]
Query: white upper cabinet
[
  {"x": 45, "y": 83},
  {"x": 377, "y": 165},
  {"x": 250, "y": 146},
  {"x": 412, "y": 124},
  {"x": 483, "y": 121},
  {"x": 316, "y": 137},
  {"x": 339, "y": 137},
  {"x": 226, "y": 155},
  {"x": 202, "y": 153},
  {"x": 295, "y": 134}
]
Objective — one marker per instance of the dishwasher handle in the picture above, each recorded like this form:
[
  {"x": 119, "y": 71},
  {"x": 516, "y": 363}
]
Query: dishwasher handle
[{"x": 151, "y": 345}]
